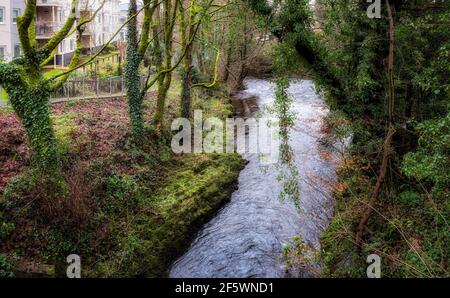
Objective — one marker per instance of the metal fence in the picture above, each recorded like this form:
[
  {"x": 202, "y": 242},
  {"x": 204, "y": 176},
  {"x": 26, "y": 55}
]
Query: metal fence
[
  {"x": 84, "y": 88},
  {"x": 92, "y": 88}
]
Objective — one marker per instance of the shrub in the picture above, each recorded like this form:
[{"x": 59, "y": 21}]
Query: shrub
[{"x": 5, "y": 267}]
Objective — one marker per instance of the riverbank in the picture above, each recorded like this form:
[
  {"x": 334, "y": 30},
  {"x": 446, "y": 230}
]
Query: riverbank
[
  {"x": 126, "y": 212},
  {"x": 408, "y": 230}
]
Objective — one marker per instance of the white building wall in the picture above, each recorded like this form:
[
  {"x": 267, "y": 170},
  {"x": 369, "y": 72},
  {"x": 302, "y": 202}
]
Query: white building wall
[
  {"x": 106, "y": 23},
  {"x": 50, "y": 16},
  {"x": 9, "y": 38}
]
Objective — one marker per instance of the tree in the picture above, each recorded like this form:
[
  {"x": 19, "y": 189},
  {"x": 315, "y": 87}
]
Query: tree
[
  {"x": 291, "y": 22},
  {"x": 164, "y": 58},
  {"x": 29, "y": 90},
  {"x": 187, "y": 32},
  {"x": 160, "y": 49},
  {"x": 198, "y": 13},
  {"x": 135, "y": 54}
]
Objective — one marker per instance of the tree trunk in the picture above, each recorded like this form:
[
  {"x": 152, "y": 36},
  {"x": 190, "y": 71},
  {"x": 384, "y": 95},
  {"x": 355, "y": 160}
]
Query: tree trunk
[
  {"x": 36, "y": 119},
  {"x": 186, "y": 94},
  {"x": 132, "y": 79},
  {"x": 390, "y": 133},
  {"x": 226, "y": 71},
  {"x": 166, "y": 79},
  {"x": 186, "y": 81}
]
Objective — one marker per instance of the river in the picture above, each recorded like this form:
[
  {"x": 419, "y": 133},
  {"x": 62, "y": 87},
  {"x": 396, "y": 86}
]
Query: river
[{"x": 246, "y": 237}]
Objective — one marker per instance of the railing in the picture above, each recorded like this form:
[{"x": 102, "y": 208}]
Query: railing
[
  {"x": 46, "y": 29},
  {"x": 85, "y": 89},
  {"x": 86, "y": 3},
  {"x": 49, "y": 2}
]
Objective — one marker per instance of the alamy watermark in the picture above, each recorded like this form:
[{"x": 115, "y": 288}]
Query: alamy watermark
[
  {"x": 74, "y": 268},
  {"x": 250, "y": 135},
  {"x": 374, "y": 9},
  {"x": 374, "y": 268}
]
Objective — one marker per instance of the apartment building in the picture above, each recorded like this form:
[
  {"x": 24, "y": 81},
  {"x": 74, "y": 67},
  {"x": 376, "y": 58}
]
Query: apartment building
[
  {"x": 9, "y": 38},
  {"x": 50, "y": 17},
  {"x": 106, "y": 23}
]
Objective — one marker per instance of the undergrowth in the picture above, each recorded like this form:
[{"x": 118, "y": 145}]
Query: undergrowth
[{"x": 409, "y": 226}]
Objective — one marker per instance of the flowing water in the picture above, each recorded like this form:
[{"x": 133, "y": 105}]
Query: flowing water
[{"x": 247, "y": 236}]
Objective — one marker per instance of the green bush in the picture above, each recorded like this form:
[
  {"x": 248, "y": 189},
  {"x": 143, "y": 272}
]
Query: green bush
[
  {"x": 123, "y": 192},
  {"x": 64, "y": 126},
  {"x": 5, "y": 267},
  {"x": 6, "y": 228},
  {"x": 431, "y": 160}
]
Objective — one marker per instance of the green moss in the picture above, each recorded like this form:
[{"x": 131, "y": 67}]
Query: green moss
[
  {"x": 191, "y": 196},
  {"x": 6, "y": 228},
  {"x": 51, "y": 73},
  {"x": 64, "y": 126},
  {"x": 6, "y": 268},
  {"x": 4, "y": 96}
]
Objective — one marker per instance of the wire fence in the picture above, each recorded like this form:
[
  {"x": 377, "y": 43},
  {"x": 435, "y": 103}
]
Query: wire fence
[{"x": 84, "y": 89}]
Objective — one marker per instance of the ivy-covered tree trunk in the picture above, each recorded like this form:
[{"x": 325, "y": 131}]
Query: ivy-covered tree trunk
[
  {"x": 31, "y": 102},
  {"x": 132, "y": 79},
  {"x": 36, "y": 119},
  {"x": 29, "y": 91}
]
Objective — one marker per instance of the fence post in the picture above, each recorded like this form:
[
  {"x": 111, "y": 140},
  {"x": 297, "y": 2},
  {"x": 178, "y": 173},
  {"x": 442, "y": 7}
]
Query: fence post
[
  {"x": 1, "y": 97},
  {"x": 122, "y": 89},
  {"x": 96, "y": 86},
  {"x": 110, "y": 85}
]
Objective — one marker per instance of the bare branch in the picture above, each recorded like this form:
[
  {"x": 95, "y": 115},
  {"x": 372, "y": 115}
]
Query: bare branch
[{"x": 216, "y": 74}]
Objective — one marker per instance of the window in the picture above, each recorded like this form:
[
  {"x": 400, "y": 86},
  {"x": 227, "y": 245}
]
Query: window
[
  {"x": 2, "y": 15},
  {"x": 15, "y": 15},
  {"x": 72, "y": 45},
  {"x": 17, "y": 51},
  {"x": 62, "y": 46},
  {"x": 2, "y": 53}
]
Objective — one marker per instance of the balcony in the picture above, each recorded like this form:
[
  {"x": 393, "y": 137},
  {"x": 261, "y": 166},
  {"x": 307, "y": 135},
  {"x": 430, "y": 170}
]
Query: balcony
[
  {"x": 89, "y": 4},
  {"x": 87, "y": 30},
  {"x": 45, "y": 30},
  {"x": 48, "y": 3}
]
